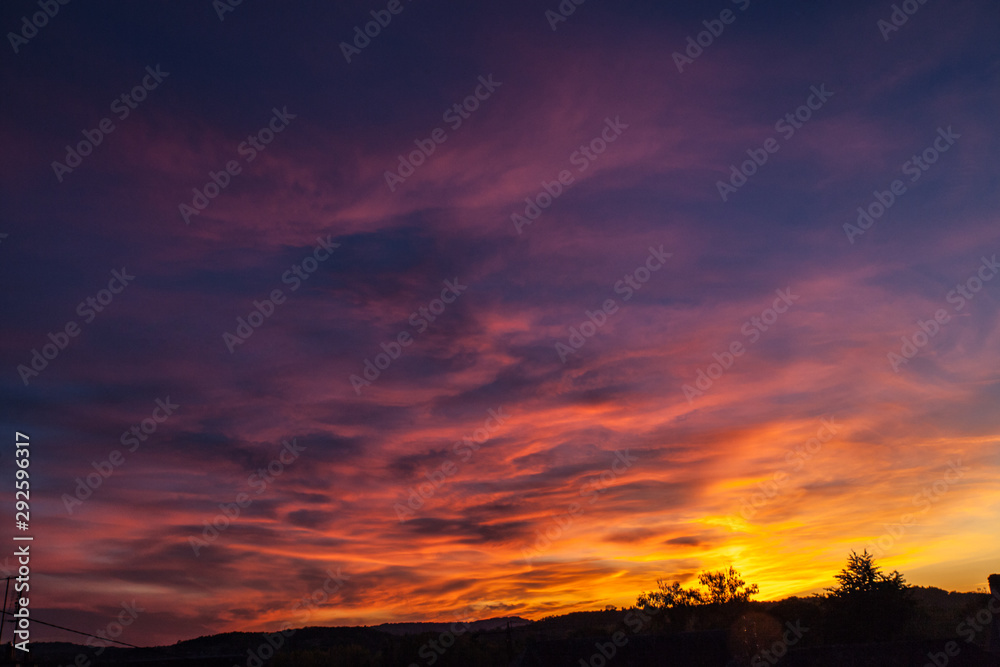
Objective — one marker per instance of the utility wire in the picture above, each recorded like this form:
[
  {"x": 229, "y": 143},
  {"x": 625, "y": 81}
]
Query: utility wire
[
  {"x": 85, "y": 634},
  {"x": 103, "y": 639}
]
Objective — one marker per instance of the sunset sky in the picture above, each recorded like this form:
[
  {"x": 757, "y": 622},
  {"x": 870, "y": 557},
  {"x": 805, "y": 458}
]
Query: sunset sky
[{"x": 654, "y": 366}]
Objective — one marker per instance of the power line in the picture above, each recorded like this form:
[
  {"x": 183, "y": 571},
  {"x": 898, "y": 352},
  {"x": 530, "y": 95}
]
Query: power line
[
  {"x": 6, "y": 591},
  {"x": 6, "y": 613},
  {"x": 86, "y": 634}
]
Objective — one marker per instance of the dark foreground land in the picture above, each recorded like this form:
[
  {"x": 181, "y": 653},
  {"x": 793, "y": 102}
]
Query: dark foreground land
[{"x": 789, "y": 633}]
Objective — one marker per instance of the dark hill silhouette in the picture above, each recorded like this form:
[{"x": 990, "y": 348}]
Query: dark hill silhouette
[{"x": 475, "y": 626}]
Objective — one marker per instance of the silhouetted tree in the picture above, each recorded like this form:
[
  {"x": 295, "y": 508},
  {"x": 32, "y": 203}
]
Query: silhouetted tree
[
  {"x": 674, "y": 603},
  {"x": 868, "y": 604},
  {"x": 668, "y": 597},
  {"x": 993, "y": 631},
  {"x": 724, "y": 587}
]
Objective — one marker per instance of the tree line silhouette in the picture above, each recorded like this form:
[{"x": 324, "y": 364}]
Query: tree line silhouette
[
  {"x": 866, "y": 609},
  {"x": 867, "y": 605}
]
